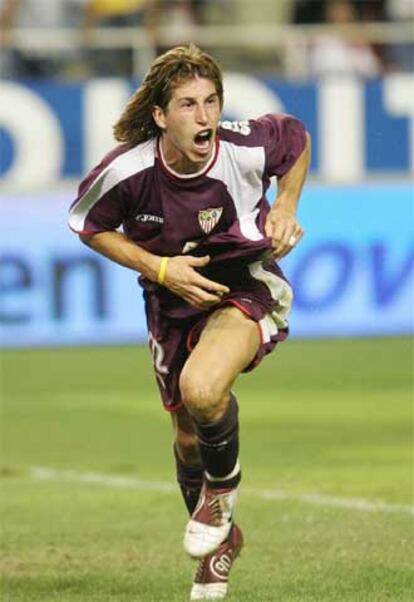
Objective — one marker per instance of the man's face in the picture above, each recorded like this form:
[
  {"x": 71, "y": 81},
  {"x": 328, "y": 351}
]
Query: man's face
[{"x": 189, "y": 125}]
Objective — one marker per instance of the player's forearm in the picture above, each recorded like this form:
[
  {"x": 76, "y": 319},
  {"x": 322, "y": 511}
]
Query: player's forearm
[
  {"x": 289, "y": 186},
  {"x": 117, "y": 247}
]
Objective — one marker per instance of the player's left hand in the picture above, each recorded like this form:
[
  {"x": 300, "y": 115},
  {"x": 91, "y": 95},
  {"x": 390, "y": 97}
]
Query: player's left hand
[{"x": 284, "y": 230}]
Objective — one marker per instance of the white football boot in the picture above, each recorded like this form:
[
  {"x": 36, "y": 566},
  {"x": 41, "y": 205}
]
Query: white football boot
[{"x": 211, "y": 521}]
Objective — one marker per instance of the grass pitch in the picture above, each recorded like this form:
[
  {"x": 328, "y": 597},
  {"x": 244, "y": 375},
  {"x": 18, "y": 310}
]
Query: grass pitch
[{"x": 323, "y": 424}]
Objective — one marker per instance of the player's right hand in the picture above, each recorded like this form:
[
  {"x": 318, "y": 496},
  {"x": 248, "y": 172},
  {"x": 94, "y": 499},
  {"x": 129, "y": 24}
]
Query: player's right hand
[{"x": 183, "y": 279}]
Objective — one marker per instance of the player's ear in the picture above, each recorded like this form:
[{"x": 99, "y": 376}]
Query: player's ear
[{"x": 159, "y": 117}]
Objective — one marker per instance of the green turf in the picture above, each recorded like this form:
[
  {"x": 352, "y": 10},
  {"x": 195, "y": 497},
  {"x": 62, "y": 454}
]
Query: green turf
[{"x": 333, "y": 417}]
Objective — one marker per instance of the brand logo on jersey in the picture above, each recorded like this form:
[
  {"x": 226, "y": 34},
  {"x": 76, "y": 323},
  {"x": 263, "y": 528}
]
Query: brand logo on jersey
[
  {"x": 145, "y": 218},
  {"x": 208, "y": 218}
]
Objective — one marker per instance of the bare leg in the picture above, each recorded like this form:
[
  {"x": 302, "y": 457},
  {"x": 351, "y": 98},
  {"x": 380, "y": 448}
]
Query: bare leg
[{"x": 227, "y": 345}]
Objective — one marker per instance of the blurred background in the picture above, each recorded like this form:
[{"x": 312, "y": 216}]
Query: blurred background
[
  {"x": 86, "y": 468},
  {"x": 345, "y": 67}
]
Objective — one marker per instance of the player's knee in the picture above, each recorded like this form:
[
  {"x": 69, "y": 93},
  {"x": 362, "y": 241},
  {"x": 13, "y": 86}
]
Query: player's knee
[
  {"x": 187, "y": 447},
  {"x": 204, "y": 400}
]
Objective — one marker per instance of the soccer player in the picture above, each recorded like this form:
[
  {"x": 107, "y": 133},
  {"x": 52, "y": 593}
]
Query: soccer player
[{"x": 189, "y": 193}]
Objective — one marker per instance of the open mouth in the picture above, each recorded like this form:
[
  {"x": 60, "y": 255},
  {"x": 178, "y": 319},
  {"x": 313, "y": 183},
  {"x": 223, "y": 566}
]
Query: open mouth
[{"x": 203, "y": 138}]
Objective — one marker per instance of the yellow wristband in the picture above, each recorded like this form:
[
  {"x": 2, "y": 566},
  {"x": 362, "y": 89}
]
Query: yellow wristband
[{"x": 163, "y": 270}]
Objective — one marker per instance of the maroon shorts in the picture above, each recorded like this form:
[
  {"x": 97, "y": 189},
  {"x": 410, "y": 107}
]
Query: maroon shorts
[{"x": 172, "y": 340}]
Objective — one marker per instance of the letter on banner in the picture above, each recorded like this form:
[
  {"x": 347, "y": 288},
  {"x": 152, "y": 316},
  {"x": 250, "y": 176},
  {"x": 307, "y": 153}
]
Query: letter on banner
[
  {"x": 389, "y": 281},
  {"x": 398, "y": 98},
  {"x": 341, "y": 127},
  {"x": 104, "y": 102},
  {"x": 329, "y": 266},
  {"x": 36, "y": 134},
  {"x": 245, "y": 94}
]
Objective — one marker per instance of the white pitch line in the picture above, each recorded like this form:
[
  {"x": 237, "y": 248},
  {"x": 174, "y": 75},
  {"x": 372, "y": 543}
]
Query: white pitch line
[
  {"x": 319, "y": 499},
  {"x": 52, "y": 474}
]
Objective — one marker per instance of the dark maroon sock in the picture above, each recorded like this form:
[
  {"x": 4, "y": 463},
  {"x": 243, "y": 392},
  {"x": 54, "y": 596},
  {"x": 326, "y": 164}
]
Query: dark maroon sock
[
  {"x": 219, "y": 448},
  {"x": 190, "y": 480}
]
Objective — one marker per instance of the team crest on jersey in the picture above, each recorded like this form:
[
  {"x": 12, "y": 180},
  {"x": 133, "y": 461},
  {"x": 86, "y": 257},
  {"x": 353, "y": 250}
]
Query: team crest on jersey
[{"x": 208, "y": 218}]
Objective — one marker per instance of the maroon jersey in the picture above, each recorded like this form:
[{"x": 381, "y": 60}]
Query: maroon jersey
[{"x": 220, "y": 211}]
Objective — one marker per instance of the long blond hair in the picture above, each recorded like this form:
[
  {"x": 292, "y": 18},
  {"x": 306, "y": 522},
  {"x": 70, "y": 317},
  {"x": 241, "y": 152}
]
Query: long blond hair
[{"x": 173, "y": 68}]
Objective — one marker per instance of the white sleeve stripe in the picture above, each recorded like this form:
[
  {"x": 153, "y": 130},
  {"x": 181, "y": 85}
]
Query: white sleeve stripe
[
  {"x": 79, "y": 212},
  {"x": 122, "y": 167},
  {"x": 241, "y": 169}
]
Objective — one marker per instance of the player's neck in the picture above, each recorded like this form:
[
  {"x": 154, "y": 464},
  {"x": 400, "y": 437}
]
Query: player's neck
[{"x": 180, "y": 163}]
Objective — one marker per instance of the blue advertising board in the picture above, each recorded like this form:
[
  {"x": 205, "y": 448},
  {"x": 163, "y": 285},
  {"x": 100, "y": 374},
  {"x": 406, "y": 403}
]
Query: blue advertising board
[
  {"x": 358, "y": 127},
  {"x": 352, "y": 273}
]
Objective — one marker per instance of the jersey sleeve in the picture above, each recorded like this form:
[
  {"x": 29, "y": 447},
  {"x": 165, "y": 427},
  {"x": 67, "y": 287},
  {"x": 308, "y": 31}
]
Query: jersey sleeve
[
  {"x": 100, "y": 204},
  {"x": 284, "y": 138}
]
